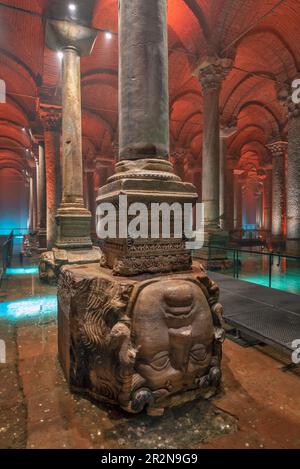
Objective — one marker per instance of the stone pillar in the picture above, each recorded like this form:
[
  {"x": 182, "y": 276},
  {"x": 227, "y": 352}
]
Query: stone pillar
[
  {"x": 259, "y": 211},
  {"x": 51, "y": 118},
  {"x": 73, "y": 219},
  {"x": 143, "y": 328},
  {"x": 226, "y": 187},
  {"x": 73, "y": 243},
  {"x": 278, "y": 151},
  {"x": 229, "y": 196},
  {"x": 42, "y": 199},
  {"x": 293, "y": 181},
  {"x": 211, "y": 73},
  {"x": 267, "y": 203},
  {"x": 223, "y": 184},
  {"x": 238, "y": 201},
  {"x": 143, "y": 171},
  {"x": 31, "y": 204},
  {"x": 143, "y": 79}
]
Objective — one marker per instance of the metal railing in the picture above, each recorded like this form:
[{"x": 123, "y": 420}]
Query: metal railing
[{"x": 269, "y": 261}]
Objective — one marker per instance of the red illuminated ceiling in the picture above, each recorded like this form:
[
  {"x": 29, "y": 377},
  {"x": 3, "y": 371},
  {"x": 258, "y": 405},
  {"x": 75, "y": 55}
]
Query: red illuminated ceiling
[{"x": 263, "y": 34}]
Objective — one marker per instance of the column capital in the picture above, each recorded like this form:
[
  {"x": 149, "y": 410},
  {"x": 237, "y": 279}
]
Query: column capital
[
  {"x": 61, "y": 34},
  {"x": 212, "y": 71},
  {"x": 277, "y": 148},
  {"x": 51, "y": 117}
]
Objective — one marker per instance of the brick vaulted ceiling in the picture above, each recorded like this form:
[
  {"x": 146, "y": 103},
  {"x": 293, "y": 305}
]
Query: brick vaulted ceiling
[{"x": 263, "y": 35}]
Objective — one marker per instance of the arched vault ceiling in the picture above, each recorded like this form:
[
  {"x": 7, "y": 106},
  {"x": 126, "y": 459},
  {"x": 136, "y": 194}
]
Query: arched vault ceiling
[{"x": 262, "y": 35}]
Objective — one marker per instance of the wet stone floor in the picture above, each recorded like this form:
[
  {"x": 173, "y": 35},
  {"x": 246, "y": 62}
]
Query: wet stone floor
[{"x": 259, "y": 407}]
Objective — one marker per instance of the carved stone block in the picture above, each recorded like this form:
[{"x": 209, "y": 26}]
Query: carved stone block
[{"x": 141, "y": 342}]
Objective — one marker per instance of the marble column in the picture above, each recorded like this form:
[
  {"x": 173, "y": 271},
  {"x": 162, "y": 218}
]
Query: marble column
[
  {"x": 143, "y": 171},
  {"x": 293, "y": 181},
  {"x": 211, "y": 73},
  {"x": 73, "y": 219},
  {"x": 31, "y": 204},
  {"x": 238, "y": 201},
  {"x": 225, "y": 176},
  {"x": 143, "y": 80},
  {"x": 267, "y": 202},
  {"x": 278, "y": 151},
  {"x": 51, "y": 118},
  {"x": 42, "y": 206},
  {"x": 229, "y": 196},
  {"x": 222, "y": 185}
]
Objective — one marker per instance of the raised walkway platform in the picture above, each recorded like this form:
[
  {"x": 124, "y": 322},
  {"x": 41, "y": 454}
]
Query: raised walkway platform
[{"x": 268, "y": 315}]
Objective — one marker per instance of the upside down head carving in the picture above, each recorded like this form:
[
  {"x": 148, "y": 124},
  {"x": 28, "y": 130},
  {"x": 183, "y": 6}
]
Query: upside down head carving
[
  {"x": 142, "y": 343},
  {"x": 173, "y": 332}
]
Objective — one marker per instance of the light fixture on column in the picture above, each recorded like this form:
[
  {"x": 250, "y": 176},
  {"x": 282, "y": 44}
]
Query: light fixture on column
[
  {"x": 60, "y": 55},
  {"x": 108, "y": 35},
  {"x": 72, "y": 7}
]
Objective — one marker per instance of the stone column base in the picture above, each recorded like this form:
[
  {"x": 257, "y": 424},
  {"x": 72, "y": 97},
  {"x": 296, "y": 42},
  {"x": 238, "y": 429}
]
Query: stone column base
[
  {"x": 213, "y": 256},
  {"x": 73, "y": 228},
  {"x": 51, "y": 262},
  {"x": 144, "y": 342}
]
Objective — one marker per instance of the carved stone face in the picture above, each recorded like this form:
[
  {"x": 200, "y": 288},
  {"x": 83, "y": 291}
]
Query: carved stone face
[{"x": 173, "y": 331}]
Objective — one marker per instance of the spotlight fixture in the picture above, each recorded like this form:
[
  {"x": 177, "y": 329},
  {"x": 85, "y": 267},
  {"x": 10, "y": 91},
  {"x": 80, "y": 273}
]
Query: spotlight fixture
[
  {"x": 108, "y": 35},
  {"x": 60, "y": 55},
  {"x": 72, "y": 7}
]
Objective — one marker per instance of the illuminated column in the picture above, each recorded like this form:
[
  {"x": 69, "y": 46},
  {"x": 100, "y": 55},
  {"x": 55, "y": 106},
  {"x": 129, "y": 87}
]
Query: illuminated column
[
  {"x": 31, "y": 204},
  {"x": 51, "y": 118},
  {"x": 143, "y": 170},
  {"x": 143, "y": 79},
  {"x": 278, "y": 151},
  {"x": 211, "y": 73},
  {"x": 229, "y": 194},
  {"x": 42, "y": 199},
  {"x": 267, "y": 201},
  {"x": 73, "y": 219},
  {"x": 226, "y": 186},
  {"x": 238, "y": 202},
  {"x": 293, "y": 181}
]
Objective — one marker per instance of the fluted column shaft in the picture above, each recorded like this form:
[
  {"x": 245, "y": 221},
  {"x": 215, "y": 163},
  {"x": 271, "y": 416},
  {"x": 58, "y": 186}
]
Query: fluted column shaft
[{"x": 278, "y": 151}]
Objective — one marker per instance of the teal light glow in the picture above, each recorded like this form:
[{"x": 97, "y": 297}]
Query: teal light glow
[
  {"x": 34, "y": 270},
  {"x": 29, "y": 307},
  {"x": 289, "y": 283}
]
